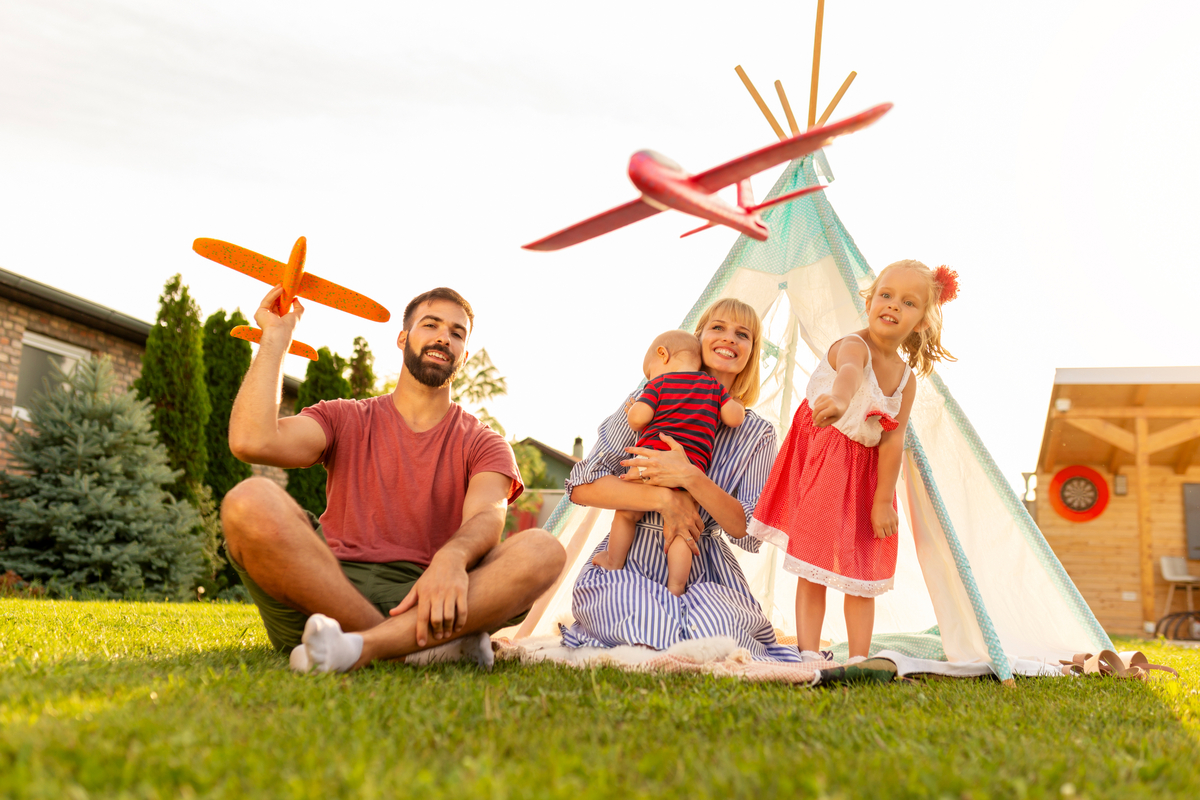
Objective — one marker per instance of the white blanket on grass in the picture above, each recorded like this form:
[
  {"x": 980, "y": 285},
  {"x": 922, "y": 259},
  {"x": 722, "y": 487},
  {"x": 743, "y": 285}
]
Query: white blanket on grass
[{"x": 721, "y": 656}]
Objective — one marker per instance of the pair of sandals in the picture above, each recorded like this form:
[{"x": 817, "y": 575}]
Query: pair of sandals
[{"x": 1106, "y": 663}]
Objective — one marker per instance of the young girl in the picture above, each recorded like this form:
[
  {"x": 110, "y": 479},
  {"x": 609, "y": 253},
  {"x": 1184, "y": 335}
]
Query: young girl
[{"x": 831, "y": 498}]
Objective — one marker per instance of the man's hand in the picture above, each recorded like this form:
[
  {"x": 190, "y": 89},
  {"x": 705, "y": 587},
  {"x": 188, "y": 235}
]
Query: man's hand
[
  {"x": 884, "y": 520},
  {"x": 681, "y": 517},
  {"x": 827, "y": 409},
  {"x": 267, "y": 318},
  {"x": 440, "y": 597}
]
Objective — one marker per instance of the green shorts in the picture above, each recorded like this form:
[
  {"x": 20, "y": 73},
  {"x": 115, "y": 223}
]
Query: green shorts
[{"x": 384, "y": 585}]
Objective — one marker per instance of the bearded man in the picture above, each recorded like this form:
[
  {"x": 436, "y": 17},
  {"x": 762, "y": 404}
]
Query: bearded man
[{"x": 406, "y": 562}]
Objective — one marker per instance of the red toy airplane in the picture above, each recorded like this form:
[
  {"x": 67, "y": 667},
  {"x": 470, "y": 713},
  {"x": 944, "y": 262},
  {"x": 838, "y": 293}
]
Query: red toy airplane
[
  {"x": 296, "y": 283},
  {"x": 664, "y": 185}
]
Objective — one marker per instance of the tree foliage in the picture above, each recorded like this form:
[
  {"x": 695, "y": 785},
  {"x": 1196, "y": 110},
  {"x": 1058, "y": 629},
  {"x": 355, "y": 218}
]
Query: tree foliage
[
  {"x": 362, "y": 370},
  {"x": 87, "y": 508},
  {"x": 478, "y": 382},
  {"x": 324, "y": 380},
  {"x": 173, "y": 381},
  {"x": 226, "y": 361}
]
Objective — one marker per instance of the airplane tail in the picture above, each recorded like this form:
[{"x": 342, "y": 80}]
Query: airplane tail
[
  {"x": 746, "y": 199},
  {"x": 255, "y": 335},
  {"x": 784, "y": 198}
]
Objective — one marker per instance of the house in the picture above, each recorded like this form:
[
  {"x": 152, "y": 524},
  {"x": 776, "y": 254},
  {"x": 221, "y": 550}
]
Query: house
[
  {"x": 41, "y": 326},
  {"x": 558, "y": 467},
  {"x": 1118, "y": 486}
]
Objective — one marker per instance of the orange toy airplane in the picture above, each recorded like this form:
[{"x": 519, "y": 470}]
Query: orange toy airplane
[{"x": 296, "y": 283}]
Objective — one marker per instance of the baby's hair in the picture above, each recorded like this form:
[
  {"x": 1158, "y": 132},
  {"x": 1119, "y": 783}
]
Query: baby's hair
[
  {"x": 923, "y": 348},
  {"x": 746, "y": 385},
  {"x": 676, "y": 341}
]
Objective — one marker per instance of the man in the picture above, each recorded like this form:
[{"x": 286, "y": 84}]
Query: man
[{"x": 408, "y": 556}]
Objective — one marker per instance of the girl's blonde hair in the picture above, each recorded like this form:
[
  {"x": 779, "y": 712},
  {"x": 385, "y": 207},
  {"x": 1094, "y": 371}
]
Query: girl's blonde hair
[
  {"x": 745, "y": 386},
  {"x": 923, "y": 348}
]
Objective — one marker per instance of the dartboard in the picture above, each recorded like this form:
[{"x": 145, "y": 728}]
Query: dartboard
[{"x": 1079, "y": 494}]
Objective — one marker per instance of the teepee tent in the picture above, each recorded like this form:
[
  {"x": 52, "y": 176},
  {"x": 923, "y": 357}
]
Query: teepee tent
[{"x": 972, "y": 562}]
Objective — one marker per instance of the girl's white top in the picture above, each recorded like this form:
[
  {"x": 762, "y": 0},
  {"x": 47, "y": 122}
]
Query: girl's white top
[{"x": 855, "y": 424}]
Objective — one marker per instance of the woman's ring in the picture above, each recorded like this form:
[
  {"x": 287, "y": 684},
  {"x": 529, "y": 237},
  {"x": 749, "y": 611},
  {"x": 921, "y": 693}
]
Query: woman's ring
[{"x": 645, "y": 479}]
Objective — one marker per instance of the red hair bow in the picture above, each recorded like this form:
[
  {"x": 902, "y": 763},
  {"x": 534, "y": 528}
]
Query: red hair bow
[{"x": 947, "y": 281}]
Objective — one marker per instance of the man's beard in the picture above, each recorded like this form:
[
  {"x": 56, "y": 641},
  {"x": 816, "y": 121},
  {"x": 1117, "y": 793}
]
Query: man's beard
[{"x": 435, "y": 376}]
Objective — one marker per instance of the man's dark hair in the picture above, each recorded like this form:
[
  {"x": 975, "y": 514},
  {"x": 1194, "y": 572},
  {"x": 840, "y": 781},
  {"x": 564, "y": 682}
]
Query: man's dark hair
[{"x": 440, "y": 293}]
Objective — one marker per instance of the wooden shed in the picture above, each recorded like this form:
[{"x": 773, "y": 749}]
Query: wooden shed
[{"x": 1118, "y": 452}]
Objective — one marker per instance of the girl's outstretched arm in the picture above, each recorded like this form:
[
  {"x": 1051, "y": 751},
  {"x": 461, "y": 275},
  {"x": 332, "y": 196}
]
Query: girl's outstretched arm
[
  {"x": 849, "y": 359},
  {"x": 884, "y": 519}
]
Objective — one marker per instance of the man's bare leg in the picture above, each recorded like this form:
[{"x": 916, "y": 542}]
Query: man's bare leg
[
  {"x": 679, "y": 566},
  {"x": 270, "y": 536},
  {"x": 620, "y": 539}
]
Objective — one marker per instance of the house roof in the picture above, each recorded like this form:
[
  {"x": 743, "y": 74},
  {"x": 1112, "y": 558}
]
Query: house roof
[
  {"x": 1092, "y": 413},
  {"x": 46, "y": 298},
  {"x": 550, "y": 452}
]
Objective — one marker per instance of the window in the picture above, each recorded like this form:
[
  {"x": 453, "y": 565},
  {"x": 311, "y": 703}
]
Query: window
[{"x": 39, "y": 354}]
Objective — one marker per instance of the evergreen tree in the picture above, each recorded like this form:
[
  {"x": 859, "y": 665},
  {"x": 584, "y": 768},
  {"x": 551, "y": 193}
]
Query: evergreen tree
[
  {"x": 362, "y": 370},
  {"x": 172, "y": 380},
  {"x": 324, "y": 380},
  {"x": 226, "y": 361},
  {"x": 87, "y": 509}
]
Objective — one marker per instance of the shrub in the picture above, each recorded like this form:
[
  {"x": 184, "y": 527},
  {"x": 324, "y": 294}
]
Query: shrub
[
  {"x": 226, "y": 361},
  {"x": 172, "y": 380}
]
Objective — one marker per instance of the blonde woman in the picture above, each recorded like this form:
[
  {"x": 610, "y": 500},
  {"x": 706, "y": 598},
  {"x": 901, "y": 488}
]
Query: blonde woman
[{"x": 633, "y": 606}]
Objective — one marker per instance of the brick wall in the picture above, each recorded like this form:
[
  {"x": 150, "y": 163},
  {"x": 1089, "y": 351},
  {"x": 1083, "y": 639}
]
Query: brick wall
[{"x": 16, "y": 318}]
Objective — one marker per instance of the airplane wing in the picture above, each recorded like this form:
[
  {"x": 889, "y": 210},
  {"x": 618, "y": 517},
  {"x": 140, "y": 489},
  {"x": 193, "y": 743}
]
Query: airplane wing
[
  {"x": 255, "y": 335},
  {"x": 610, "y": 220},
  {"x": 329, "y": 293},
  {"x": 787, "y": 150},
  {"x": 248, "y": 262}
]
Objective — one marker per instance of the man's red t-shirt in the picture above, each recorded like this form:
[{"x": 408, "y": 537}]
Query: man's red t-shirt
[{"x": 394, "y": 494}]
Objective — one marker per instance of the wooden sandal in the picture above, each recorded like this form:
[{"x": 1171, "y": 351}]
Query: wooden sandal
[{"x": 1135, "y": 659}]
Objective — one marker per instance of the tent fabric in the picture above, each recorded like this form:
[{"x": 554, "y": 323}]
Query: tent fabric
[{"x": 971, "y": 562}]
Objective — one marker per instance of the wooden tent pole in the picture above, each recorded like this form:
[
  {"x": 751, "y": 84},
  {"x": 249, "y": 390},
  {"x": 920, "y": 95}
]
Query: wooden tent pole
[
  {"x": 1141, "y": 458},
  {"x": 762, "y": 106},
  {"x": 816, "y": 69},
  {"x": 837, "y": 98},
  {"x": 787, "y": 108}
]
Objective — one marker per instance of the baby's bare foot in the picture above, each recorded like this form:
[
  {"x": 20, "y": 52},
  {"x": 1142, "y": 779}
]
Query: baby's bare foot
[
  {"x": 676, "y": 589},
  {"x": 607, "y": 560}
]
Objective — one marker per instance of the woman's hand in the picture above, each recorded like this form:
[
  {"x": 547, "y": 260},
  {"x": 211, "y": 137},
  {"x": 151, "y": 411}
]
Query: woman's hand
[
  {"x": 884, "y": 519},
  {"x": 827, "y": 409},
  {"x": 681, "y": 517},
  {"x": 671, "y": 468}
]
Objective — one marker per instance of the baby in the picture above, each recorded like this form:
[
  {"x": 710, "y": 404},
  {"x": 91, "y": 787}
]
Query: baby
[{"x": 687, "y": 405}]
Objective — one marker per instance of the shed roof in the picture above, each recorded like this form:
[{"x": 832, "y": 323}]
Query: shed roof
[{"x": 1091, "y": 410}]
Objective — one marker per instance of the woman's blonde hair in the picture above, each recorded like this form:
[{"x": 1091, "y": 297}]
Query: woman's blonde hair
[
  {"x": 923, "y": 348},
  {"x": 745, "y": 386}
]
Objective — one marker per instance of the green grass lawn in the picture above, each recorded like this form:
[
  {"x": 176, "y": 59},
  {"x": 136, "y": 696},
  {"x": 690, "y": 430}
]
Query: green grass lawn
[{"x": 168, "y": 700}]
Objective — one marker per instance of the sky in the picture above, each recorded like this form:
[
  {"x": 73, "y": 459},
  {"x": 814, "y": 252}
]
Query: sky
[{"x": 1045, "y": 150}]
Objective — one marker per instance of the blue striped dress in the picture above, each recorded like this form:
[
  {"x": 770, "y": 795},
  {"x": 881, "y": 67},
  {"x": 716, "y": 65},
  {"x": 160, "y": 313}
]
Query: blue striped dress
[{"x": 632, "y": 605}]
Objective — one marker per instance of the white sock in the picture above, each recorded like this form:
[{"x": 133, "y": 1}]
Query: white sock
[
  {"x": 325, "y": 648},
  {"x": 856, "y": 659},
  {"x": 811, "y": 655},
  {"x": 475, "y": 647}
]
